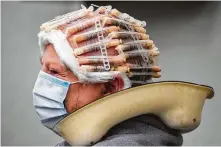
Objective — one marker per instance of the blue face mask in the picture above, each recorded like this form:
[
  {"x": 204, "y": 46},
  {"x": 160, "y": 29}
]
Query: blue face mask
[{"x": 48, "y": 96}]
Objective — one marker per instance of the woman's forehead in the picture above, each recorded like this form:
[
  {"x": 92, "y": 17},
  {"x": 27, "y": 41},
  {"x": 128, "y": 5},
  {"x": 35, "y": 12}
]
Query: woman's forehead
[{"x": 49, "y": 54}]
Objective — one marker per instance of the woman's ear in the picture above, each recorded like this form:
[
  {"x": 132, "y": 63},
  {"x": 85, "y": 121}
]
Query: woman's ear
[{"x": 114, "y": 86}]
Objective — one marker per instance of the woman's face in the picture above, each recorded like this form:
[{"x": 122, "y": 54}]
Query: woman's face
[{"x": 79, "y": 94}]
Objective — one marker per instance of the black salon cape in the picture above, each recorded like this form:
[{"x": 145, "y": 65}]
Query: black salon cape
[{"x": 143, "y": 130}]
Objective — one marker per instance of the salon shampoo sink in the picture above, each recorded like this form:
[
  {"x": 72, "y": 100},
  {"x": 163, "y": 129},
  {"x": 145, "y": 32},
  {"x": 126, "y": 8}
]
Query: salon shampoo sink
[{"x": 178, "y": 104}]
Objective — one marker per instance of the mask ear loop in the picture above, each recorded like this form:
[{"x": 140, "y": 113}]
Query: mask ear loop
[
  {"x": 83, "y": 83},
  {"x": 75, "y": 82}
]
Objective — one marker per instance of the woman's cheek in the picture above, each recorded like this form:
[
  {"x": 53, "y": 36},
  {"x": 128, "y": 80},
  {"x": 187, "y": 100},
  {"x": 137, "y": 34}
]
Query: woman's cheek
[
  {"x": 71, "y": 99},
  {"x": 91, "y": 93}
]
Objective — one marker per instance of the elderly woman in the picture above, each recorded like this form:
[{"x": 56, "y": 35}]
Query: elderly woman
[
  {"x": 140, "y": 130},
  {"x": 87, "y": 55}
]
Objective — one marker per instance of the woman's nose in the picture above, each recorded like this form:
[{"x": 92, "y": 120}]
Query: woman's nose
[{"x": 44, "y": 68}]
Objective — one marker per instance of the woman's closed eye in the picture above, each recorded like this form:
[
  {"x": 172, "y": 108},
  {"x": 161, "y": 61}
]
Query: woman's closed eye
[
  {"x": 58, "y": 70},
  {"x": 53, "y": 72}
]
